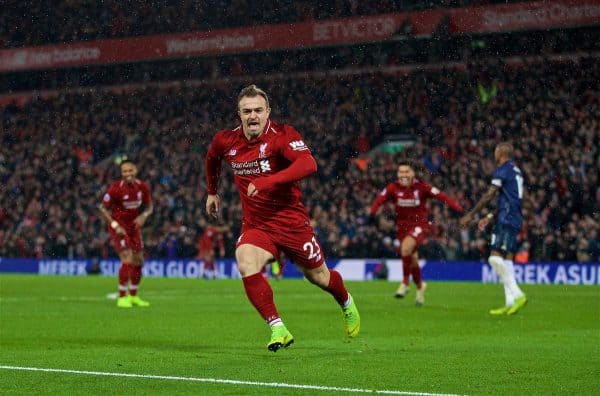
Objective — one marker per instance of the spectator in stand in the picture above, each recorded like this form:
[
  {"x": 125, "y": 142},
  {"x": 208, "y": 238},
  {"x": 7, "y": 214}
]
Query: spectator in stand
[{"x": 71, "y": 21}]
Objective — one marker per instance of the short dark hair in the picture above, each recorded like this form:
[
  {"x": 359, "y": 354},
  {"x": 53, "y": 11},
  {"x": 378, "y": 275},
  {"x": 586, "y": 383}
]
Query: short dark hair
[
  {"x": 251, "y": 91},
  {"x": 126, "y": 161},
  {"x": 407, "y": 162}
]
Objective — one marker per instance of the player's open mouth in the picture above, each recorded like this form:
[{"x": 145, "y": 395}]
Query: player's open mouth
[{"x": 254, "y": 125}]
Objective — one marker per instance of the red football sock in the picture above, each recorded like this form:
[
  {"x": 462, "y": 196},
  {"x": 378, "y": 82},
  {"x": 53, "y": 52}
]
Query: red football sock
[
  {"x": 209, "y": 264},
  {"x": 136, "y": 278},
  {"x": 336, "y": 287},
  {"x": 123, "y": 279},
  {"x": 260, "y": 294},
  {"x": 406, "y": 269},
  {"x": 416, "y": 274},
  {"x": 211, "y": 268}
]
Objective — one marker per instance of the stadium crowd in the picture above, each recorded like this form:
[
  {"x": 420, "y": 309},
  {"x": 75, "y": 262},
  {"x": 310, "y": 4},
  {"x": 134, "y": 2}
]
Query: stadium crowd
[
  {"x": 57, "y": 155},
  {"x": 26, "y": 24}
]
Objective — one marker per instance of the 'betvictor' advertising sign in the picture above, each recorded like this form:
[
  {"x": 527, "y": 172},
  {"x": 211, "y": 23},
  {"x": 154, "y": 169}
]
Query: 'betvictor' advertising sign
[{"x": 351, "y": 269}]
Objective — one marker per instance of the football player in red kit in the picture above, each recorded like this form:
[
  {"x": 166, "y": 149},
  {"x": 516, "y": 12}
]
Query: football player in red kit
[
  {"x": 268, "y": 159},
  {"x": 410, "y": 197},
  {"x": 121, "y": 210},
  {"x": 208, "y": 243}
]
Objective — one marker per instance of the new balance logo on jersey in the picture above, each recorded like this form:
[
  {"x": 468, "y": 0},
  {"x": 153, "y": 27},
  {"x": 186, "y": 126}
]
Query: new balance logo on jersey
[
  {"x": 298, "y": 145},
  {"x": 265, "y": 166},
  {"x": 232, "y": 152}
]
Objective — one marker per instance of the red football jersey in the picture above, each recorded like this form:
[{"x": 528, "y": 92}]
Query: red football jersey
[
  {"x": 410, "y": 202},
  {"x": 124, "y": 200},
  {"x": 279, "y": 207},
  {"x": 210, "y": 238}
]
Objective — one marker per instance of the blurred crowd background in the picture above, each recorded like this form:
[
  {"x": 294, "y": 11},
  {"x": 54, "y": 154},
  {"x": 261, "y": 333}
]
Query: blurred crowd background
[
  {"x": 25, "y": 24},
  {"x": 449, "y": 100}
]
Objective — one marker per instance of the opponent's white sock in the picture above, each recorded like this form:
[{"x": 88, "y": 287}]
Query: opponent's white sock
[
  {"x": 509, "y": 299},
  {"x": 497, "y": 263},
  {"x": 511, "y": 282}
]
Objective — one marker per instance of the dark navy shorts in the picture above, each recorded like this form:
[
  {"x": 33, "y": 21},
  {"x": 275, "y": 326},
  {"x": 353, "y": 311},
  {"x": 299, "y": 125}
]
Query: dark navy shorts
[{"x": 504, "y": 239}]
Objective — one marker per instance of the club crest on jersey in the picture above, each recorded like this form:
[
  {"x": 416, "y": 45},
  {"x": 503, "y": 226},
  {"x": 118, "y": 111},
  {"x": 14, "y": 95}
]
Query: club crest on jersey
[
  {"x": 126, "y": 196},
  {"x": 139, "y": 195},
  {"x": 262, "y": 150},
  {"x": 298, "y": 145},
  {"x": 265, "y": 166}
]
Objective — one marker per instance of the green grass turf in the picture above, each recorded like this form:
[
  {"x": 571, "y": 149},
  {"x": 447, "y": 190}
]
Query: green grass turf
[{"x": 207, "y": 329}]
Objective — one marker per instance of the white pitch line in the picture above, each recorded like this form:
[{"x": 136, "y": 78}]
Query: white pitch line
[{"x": 226, "y": 381}]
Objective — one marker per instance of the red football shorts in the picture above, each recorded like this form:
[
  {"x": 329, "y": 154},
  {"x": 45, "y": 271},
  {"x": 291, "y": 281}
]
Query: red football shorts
[
  {"x": 209, "y": 265},
  {"x": 418, "y": 232},
  {"x": 300, "y": 247},
  {"x": 131, "y": 240}
]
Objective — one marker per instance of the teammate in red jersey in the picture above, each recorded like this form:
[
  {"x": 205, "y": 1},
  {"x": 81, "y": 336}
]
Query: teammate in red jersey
[
  {"x": 267, "y": 160},
  {"x": 120, "y": 209},
  {"x": 410, "y": 196},
  {"x": 210, "y": 240}
]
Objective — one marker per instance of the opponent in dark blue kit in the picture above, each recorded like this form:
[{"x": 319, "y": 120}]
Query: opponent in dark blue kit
[{"x": 507, "y": 185}]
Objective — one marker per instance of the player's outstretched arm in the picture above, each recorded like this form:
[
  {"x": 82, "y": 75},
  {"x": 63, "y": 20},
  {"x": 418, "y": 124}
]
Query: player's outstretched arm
[
  {"x": 489, "y": 195},
  {"x": 385, "y": 195},
  {"x": 450, "y": 202}
]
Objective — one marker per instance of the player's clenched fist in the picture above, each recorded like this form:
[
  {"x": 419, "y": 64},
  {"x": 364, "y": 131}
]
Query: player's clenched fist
[{"x": 213, "y": 205}]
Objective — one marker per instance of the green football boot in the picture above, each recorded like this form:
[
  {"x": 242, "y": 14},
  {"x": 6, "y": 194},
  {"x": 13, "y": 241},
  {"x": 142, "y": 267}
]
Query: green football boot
[
  {"x": 275, "y": 268},
  {"x": 518, "y": 304},
  {"x": 136, "y": 301},
  {"x": 280, "y": 338},
  {"x": 351, "y": 319},
  {"x": 124, "y": 302},
  {"x": 499, "y": 311}
]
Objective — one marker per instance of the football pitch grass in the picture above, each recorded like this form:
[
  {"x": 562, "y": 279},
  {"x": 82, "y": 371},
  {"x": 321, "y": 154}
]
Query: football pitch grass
[{"x": 204, "y": 338}]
